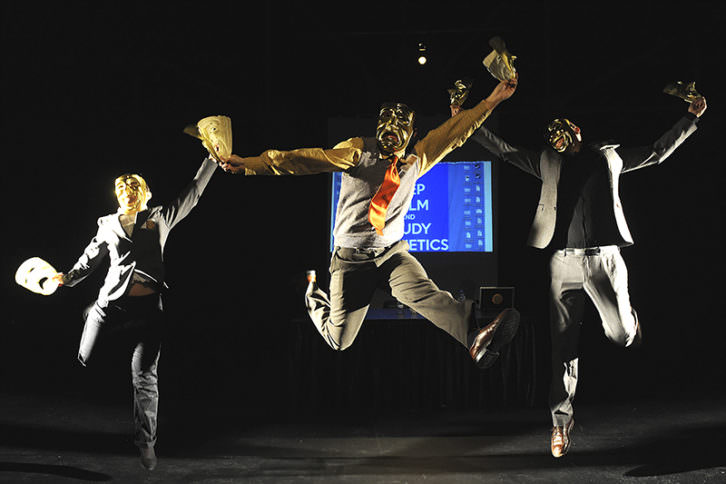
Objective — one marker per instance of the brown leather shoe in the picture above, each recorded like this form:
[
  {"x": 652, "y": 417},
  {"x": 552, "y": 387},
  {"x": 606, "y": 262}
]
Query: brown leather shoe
[
  {"x": 493, "y": 337},
  {"x": 560, "y": 440}
]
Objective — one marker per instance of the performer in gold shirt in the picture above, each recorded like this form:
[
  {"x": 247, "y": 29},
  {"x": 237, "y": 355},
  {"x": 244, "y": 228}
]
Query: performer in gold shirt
[{"x": 377, "y": 186}]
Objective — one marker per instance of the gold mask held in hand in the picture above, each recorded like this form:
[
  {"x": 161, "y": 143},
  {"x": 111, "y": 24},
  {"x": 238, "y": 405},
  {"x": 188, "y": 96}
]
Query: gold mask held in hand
[
  {"x": 215, "y": 132},
  {"x": 132, "y": 193},
  {"x": 561, "y": 134},
  {"x": 500, "y": 62},
  {"x": 395, "y": 127},
  {"x": 459, "y": 93},
  {"x": 687, "y": 92}
]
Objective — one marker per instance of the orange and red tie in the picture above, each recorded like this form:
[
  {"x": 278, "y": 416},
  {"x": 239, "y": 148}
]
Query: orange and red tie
[{"x": 384, "y": 195}]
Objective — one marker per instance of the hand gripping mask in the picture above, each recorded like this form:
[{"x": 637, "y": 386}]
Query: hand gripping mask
[
  {"x": 35, "y": 274},
  {"x": 687, "y": 92},
  {"x": 459, "y": 93},
  {"x": 214, "y": 131},
  {"x": 500, "y": 62}
]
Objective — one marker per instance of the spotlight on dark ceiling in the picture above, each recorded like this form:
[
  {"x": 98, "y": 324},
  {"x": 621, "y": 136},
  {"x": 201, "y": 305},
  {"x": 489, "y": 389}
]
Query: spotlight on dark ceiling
[{"x": 422, "y": 59}]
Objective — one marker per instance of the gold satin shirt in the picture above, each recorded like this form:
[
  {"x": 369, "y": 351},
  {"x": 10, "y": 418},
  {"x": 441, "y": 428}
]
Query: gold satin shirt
[{"x": 438, "y": 143}]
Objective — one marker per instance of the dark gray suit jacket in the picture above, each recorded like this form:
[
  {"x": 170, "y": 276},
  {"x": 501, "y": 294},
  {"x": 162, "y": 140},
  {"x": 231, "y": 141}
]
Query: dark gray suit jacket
[
  {"x": 546, "y": 165},
  {"x": 143, "y": 251}
]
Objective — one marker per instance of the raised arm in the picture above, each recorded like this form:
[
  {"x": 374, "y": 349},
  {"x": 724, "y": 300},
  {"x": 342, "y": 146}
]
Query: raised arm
[
  {"x": 455, "y": 131},
  {"x": 526, "y": 160},
  {"x": 635, "y": 158},
  {"x": 303, "y": 161},
  {"x": 180, "y": 207}
]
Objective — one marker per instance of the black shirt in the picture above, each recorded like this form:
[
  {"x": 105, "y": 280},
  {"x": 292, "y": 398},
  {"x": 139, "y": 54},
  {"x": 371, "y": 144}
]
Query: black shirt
[{"x": 584, "y": 201}]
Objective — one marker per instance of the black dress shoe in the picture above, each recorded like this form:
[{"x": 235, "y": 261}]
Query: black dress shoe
[
  {"x": 493, "y": 337},
  {"x": 148, "y": 458}
]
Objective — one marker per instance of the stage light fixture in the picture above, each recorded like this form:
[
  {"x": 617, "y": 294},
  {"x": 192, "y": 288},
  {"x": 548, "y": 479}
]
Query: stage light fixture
[{"x": 422, "y": 59}]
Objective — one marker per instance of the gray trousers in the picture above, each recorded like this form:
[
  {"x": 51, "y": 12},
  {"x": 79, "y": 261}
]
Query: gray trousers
[
  {"x": 354, "y": 276},
  {"x": 602, "y": 275},
  {"x": 140, "y": 318}
]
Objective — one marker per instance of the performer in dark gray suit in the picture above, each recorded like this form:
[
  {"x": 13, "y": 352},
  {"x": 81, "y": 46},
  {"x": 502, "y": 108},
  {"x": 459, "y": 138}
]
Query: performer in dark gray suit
[
  {"x": 130, "y": 299},
  {"x": 581, "y": 219}
]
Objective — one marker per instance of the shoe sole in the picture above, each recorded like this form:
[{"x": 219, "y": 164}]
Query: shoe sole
[{"x": 502, "y": 336}]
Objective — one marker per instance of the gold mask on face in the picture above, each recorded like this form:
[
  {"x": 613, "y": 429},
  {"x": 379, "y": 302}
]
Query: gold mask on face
[
  {"x": 459, "y": 93},
  {"x": 132, "y": 193},
  {"x": 395, "y": 127},
  {"x": 561, "y": 134}
]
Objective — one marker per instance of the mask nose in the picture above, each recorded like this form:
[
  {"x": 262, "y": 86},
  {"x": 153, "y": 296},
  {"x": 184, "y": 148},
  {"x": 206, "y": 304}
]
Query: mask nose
[{"x": 130, "y": 193}]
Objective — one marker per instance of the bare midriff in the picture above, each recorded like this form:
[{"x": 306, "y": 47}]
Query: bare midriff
[{"x": 138, "y": 289}]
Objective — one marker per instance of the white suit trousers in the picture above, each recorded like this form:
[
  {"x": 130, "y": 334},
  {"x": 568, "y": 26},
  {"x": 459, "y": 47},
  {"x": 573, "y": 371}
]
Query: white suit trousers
[{"x": 599, "y": 272}]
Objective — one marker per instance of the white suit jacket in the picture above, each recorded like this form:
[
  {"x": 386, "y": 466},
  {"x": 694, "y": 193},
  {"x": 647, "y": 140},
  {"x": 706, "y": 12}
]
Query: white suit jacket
[{"x": 546, "y": 166}]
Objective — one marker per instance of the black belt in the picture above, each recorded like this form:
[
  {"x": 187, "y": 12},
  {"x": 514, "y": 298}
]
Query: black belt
[{"x": 586, "y": 251}]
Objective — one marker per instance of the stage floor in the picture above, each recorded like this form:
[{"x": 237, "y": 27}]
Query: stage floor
[{"x": 51, "y": 439}]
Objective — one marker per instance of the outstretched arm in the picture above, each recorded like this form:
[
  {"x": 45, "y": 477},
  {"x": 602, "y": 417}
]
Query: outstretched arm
[
  {"x": 175, "y": 211},
  {"x": 303, "y": 161},
  {"x": 526, "y": 160},
  {"x": 455, "y": 131},
  {"x": 635, "y": 158}
]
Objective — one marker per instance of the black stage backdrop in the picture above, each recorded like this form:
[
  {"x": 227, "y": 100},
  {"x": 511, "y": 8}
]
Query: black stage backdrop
[{"x": 94, "y": 89}]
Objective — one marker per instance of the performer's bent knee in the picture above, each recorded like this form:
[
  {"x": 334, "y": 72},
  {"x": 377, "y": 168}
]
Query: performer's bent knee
[
  {"x": 145, "y": 379},
  {"x": 340, "y": 330},
  {"x": 630, "y": 337},
  {"x": 340, "y": 344},
  {"x": 623, "y": 337}
]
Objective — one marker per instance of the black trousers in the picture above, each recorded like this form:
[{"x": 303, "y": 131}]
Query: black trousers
[{"x": 141, "y": 319}]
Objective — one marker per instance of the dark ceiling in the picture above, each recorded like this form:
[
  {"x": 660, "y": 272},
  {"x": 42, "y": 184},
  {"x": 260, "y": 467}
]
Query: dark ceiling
[
  {"x": 290, "y": 65},
  {"x": 93, "y": 89}
]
